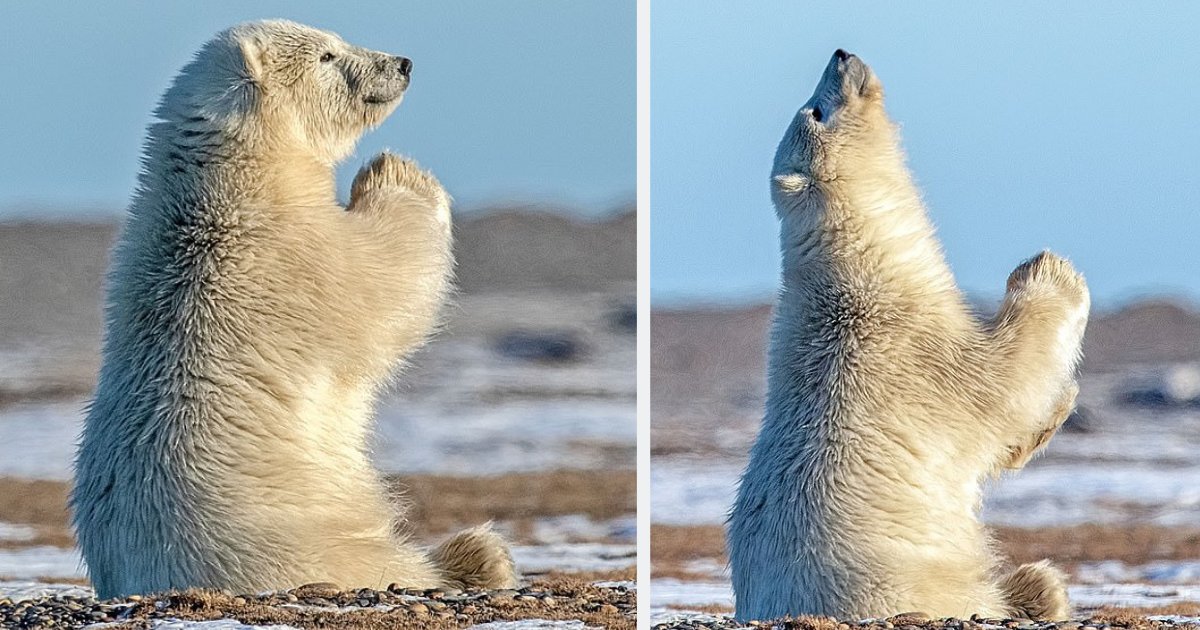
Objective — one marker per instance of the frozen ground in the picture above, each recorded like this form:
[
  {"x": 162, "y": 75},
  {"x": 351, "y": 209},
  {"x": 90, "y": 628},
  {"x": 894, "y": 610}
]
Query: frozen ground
[{"x": 671, "y": 599}]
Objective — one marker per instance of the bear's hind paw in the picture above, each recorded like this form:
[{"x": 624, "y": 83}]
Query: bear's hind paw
[{"x": 476, "y": 558}]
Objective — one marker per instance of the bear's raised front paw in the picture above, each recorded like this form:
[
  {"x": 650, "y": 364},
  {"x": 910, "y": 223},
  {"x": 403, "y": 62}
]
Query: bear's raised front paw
[
  {"x": 1051, "y": 272},
  {"x": 390, "y": 171}
]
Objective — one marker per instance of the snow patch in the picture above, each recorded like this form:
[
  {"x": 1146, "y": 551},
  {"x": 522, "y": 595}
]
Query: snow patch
[
  {"x": 1133, "y": 595},
  {"x": 16, "y": 533},
  {"x": 574, "y": 557},
  {"x": 532, "y": 624},
  {"x": 580, "y": 527},
  {"x": 19, "y": 590},
  {"x": 671, "y": 592},
  {"x": 179, "y": 624},
  {"x": 33, "y": 562},
  {"x": 1163, "y": 572}
]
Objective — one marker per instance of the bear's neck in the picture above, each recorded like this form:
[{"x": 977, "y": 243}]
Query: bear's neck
[
  {"x": 241, "y": 172},
  {"x": 872, "y": 245}
]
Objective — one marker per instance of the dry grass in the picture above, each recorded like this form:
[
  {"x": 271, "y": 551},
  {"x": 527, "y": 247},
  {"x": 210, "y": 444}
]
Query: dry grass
[
  {"x": 628, "y": 574},
  {"x": 439, "y": 504},
  {"x": 709, "y": 609},
  {"x": 42, "y": 505},
  {"x": 444, "y": 504},
  {"x": 673, "y": 547},
  {"x": 1132, "y": 544}
]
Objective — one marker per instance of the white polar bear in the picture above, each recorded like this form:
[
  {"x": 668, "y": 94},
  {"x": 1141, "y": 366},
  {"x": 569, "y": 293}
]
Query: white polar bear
[
  {"x": 251, "y": 321},
  {"x": 888, "y": 402}
]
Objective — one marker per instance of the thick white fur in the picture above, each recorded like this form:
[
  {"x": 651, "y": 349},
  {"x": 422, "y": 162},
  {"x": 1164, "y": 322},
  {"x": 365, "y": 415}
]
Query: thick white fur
[
  {"x": 251, "y": 321},
  {"x": 888, "y": 402}
]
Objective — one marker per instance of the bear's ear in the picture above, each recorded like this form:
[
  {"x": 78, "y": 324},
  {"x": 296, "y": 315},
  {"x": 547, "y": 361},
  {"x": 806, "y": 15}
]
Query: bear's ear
[
  {"x": 253, "y": 57},
  {"x": 791, "y": 182}
]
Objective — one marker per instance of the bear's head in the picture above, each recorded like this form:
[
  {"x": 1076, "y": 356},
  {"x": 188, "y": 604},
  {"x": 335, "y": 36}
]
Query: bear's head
[
  {"x": 840, "y": 134},
  {"x": 288, "y": 84}
]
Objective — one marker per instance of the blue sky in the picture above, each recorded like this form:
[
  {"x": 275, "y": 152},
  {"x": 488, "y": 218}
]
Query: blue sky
[
  {"x": 514, "y": 101},
  {"x": 1073, "y": 126}
]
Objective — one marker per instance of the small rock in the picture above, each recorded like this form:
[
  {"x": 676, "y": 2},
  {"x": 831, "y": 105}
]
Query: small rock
[
  {"x": 418, "y": 608},
  {"x": 317, "y": 589}
]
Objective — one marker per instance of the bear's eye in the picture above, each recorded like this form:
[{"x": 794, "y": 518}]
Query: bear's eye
[
  {"x": 327, "y": 57},
  {"x": 816, "y": 114}
]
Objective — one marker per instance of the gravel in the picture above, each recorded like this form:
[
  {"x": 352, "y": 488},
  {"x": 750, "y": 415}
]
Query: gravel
[{"x": 327, "y": 606}]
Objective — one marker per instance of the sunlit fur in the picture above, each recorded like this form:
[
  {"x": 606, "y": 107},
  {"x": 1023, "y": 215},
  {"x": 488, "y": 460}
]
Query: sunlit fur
[
  {"x": 251, "y": 321},
  {"x": 888, "y": 402}
]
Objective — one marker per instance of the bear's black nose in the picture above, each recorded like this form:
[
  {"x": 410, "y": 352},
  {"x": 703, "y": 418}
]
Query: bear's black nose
[
  {"x": 405, "y": 66},
  {"x": 841, "y": 54}
]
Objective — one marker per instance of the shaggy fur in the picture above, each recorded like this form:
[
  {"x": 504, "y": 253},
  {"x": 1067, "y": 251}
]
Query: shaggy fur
[
  {"x": 888, "y": 401},
  {"x": 251, "y": 321}
]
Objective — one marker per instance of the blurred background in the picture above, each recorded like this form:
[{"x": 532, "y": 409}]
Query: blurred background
[
  {"x": 1027, "y": 126},
  {"x": 524, "y": 404}
]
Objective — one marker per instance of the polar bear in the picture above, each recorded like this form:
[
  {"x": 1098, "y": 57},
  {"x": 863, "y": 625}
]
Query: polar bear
[
  {"x": 888, "y": 401},
  {"x": 250, "y": 322}
]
